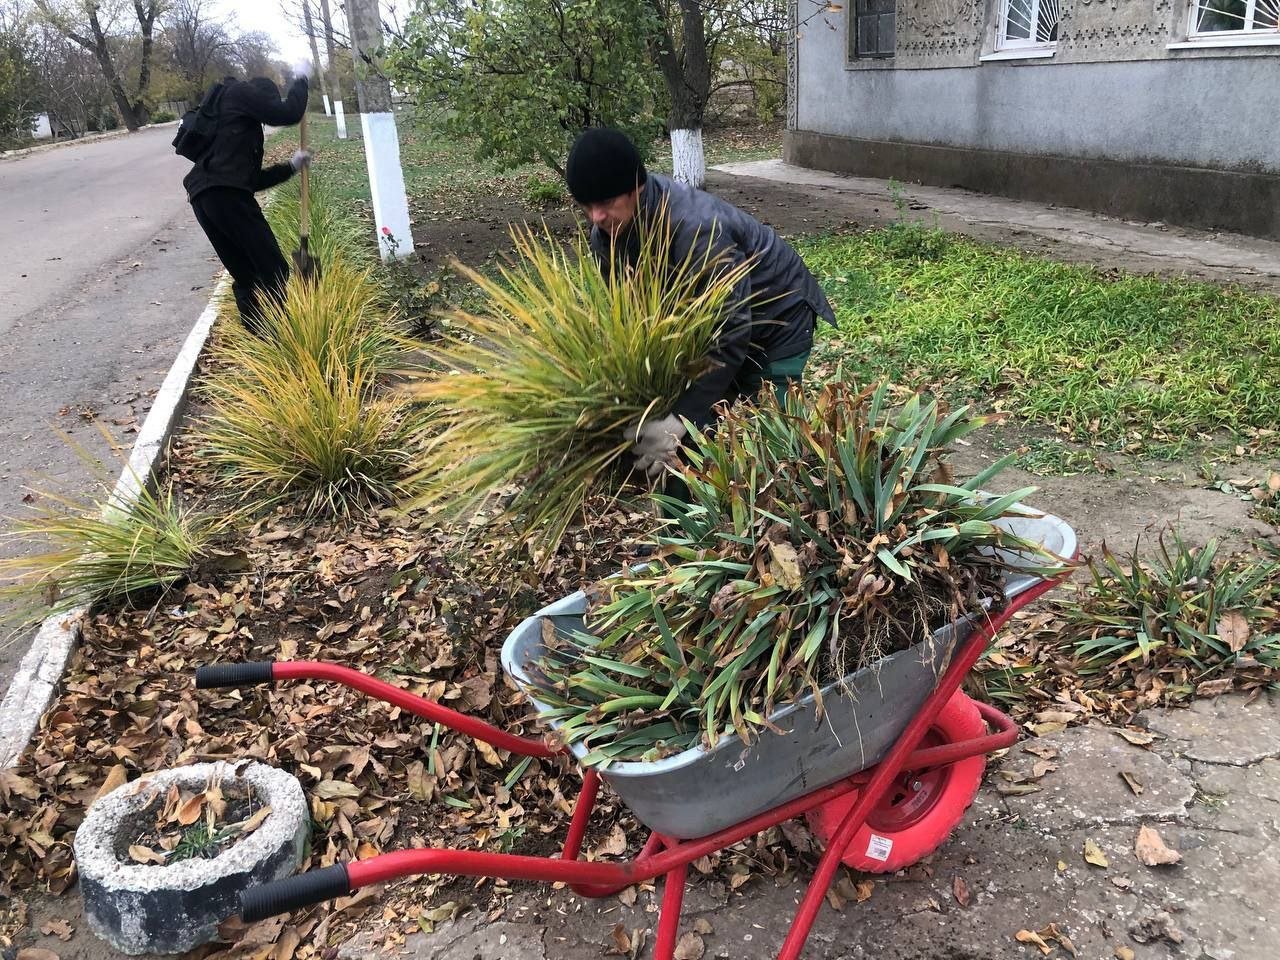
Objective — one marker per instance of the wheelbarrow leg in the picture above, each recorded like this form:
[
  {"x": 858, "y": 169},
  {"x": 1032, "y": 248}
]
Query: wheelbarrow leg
[{"x": 669, "y": 916}]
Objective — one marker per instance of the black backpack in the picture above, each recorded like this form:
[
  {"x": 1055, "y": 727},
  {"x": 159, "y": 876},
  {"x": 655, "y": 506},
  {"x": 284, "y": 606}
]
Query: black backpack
[{"x": 199, "y": 125}]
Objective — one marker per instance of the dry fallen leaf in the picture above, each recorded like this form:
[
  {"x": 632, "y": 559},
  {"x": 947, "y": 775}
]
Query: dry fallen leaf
[
  {"x": 1093, "y": 854},
  {"x": 621, "y": 941},
  {"x": 960, "y": 890},
  {"x": 57, "y": 928},
  {"x": 142, "y": 854},
  {"x": 703, "y": 926},
  {"x": 1213, "y": 688},
  {"x": 116, "y": 776},
  {"x": 1134, "y": 784},
  {"x": 1041, "y": 750},
  {"x": 1121, "y": 883},
  {"x": 1151, "y": 849},
  {"x": 190, "y": 811},
  {"x": 1139, "y": 738},
  {"x": 1233, "y": 629},
  {"x": 1030, "y": 936},
  {"x": 287, "y": 945},
  {"x": 1125, "y": 953},
  {"x": 864, "y": 888},
  {"x": 690, "y": 947},
  {"x": 36, "y": 953},
  {"x": 613, "y": 845}
]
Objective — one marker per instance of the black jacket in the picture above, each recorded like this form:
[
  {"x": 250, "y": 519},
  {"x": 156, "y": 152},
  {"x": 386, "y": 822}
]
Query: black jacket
[
  {"x": 235, "y": 159},
  {"x": 775, "y": 304}
]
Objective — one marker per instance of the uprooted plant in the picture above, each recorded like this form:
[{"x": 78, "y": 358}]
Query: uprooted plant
[
  {"x": 537, "y": 389},
  {"x": 1168, "y": 624},
  {"x": 816, "y": 540}
]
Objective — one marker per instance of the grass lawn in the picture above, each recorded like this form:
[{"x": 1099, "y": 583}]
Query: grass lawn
[
  {"x": 1125, "y": 361},
  {"x": 444, "y": 179}
]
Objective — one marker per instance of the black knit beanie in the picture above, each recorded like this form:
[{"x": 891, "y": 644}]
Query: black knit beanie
[{"x": 603, "y": 164}]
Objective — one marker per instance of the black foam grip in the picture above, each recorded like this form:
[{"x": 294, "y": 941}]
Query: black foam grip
[
  {"x": 284, "y": 896},
  {"x": 233, "y": 674}
]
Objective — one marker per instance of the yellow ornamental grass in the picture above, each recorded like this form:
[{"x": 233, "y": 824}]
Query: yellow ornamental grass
[
  {"x": 538, "y": 387},
  {"x": 299, "y": 413},
  {"x": 336, "y": 321}
]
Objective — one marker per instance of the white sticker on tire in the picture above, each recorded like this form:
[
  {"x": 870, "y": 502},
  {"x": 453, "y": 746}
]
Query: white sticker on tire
[{"x": 878, "y": 848}]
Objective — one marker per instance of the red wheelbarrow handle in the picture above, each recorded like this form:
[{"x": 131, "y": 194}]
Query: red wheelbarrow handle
[{"x": 265, "y": 671}]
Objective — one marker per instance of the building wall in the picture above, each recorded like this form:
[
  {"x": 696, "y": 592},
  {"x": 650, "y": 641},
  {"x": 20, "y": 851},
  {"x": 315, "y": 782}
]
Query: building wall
[{"x": 1112, "y": 105}]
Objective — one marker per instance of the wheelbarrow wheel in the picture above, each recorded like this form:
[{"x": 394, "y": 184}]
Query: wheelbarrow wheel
[{"x": 918, "y": 812}]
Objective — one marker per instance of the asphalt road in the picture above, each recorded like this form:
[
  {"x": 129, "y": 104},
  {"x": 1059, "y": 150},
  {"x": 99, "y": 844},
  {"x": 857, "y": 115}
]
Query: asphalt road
[{"x": 103, "y": 271}]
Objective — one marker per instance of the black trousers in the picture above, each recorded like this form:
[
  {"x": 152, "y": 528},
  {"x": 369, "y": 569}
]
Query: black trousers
[{"x": 242, "y": 238}]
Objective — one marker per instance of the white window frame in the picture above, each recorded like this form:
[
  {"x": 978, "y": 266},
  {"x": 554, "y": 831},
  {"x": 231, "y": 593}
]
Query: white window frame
[
  {"x": 1246, "y": 35},
  {"x": 1005, "y": 43}
]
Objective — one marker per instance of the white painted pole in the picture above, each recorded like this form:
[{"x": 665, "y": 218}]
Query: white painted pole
[
  {"x": 378, "y": 123},
  {"x": 342, "y": 119},
  {"x": 328, "y": 112}
]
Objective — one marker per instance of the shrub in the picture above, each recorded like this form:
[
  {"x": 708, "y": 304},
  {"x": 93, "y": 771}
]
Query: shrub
[
  {"x": 544, "y": 191},
  {"x": 163, "y": 116}
]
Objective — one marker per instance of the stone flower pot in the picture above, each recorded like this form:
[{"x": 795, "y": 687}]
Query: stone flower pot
[{"x": 150, "y": 908}]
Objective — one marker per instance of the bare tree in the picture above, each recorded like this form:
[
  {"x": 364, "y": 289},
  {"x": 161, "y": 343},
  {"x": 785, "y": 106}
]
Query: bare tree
[
  {"x": 101, "y": 30},
  {"x": 200, "y": 43}
]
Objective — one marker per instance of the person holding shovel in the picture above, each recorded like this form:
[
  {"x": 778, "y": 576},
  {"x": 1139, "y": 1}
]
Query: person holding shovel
[
  {"x": 222, "y": 183},
  {"x": 767, "y": 337}
]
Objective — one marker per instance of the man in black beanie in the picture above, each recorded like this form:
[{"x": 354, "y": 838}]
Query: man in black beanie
[
  {"x": 768, "y": 335},
  {"x": 221, "y": 185}
]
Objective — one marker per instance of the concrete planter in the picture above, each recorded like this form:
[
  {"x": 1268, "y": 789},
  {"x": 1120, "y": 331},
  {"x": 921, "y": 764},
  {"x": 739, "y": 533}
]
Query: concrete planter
[{"x": 143, "y": 908}]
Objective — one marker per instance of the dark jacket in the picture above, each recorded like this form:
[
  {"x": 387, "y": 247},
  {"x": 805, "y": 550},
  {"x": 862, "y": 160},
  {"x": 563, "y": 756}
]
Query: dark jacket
[
  {"x": 235, "y": 159},
  {"x": 774, "y": 305}
]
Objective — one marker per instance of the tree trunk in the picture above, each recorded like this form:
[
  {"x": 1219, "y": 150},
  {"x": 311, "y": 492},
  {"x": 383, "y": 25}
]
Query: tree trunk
[
  {"x": 147, "y": 21},
  {"x": 686, "y": 69},
  {"x": 315, "y": 52},
  {"x": 102, "y": 53}
]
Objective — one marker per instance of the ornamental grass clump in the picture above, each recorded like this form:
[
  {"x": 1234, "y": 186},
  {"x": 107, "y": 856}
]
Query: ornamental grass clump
[
  {"x": 336, "y": 236},
  {"x": 1167, "y": 623},
  {"x": 816, "y": 540},
  {"x": 536, "y": 389},
  {"x": 301, "y": 414},
  {"x": 86, "y": 552}
]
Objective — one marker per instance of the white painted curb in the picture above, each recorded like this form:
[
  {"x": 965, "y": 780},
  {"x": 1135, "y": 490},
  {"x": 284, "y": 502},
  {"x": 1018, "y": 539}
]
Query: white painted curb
[{"x": 36, "y": 681}]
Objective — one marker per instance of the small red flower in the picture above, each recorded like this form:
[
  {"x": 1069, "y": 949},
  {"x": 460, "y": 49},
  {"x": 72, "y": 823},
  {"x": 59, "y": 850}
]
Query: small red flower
[{"x": 386, "y": 231}]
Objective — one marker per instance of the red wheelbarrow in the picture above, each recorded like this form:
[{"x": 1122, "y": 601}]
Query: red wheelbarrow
[{"x": 889, "y": 813}]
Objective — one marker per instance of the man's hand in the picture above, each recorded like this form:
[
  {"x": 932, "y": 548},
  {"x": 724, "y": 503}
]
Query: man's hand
[
  {"x": 656, "y": 443},
  {"x": 301, "y": 158},
  {"x": 302, "y": 69}
]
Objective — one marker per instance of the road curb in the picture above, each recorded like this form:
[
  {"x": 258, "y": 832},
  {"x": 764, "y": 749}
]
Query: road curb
[{"x": 36, "y": 680}]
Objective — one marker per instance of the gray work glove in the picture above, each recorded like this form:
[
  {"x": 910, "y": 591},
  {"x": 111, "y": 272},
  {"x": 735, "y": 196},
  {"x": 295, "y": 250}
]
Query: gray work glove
[
  {"x": 301, "y": 158},
  {"x": 656, "y": 443},
  {"x": 302, "y": 68}
]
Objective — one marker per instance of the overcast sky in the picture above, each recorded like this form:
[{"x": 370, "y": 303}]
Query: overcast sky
[{"x": 265, "y": 15}]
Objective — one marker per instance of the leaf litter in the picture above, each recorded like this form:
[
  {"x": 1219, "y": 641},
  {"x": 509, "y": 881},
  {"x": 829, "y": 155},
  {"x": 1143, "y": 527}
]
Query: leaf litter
[{"x": 393, "y": 596}]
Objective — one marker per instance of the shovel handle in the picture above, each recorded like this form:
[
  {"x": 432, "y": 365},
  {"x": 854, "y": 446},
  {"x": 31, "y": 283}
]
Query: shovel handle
[{"x": 304, "y": 206}]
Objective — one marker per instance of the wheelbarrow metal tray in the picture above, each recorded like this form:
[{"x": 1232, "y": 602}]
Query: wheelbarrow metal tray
[{"x": 701, "y": 791}]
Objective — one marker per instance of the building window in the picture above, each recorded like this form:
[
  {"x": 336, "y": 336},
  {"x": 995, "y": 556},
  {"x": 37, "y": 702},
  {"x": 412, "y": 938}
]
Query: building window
[
  {"x": 1216, "y": 17},
  {"x": 1034, "y": 23},
  {"x": 875, "y": 30}
]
